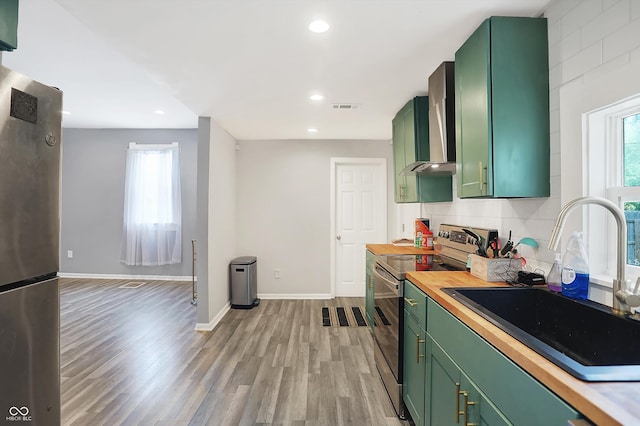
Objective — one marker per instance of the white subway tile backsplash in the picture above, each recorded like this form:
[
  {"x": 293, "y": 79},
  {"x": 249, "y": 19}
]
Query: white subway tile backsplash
[
  {"x": 554, "y": 31},
  {"x": 554, "y": 100},
  {"x": 585, "y": 11},
  {"x": 584, "y": 61},
  {"x": 555, "y": 186},
  {"x": 556, "y": 10},
  {"x": 625, "y": 39},
  {"x": 606, "y": 4},
  {"x": 606, "y": 23},
  {"x": 554, "y": 121},
  {"x": 608, "y": 67},
  {"x": 554, "y": 165},
  {"x": 555, "y": 77},
  {"x": 554, "y": 142},
  {"x": 570, "y": 46},
  {"x": 634, "y": 10}
]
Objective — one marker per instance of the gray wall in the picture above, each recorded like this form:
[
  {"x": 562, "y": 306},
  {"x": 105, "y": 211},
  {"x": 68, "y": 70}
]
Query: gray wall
[
  {"x": 283, "y": 214},
  {"x": 93, "y": 171}
]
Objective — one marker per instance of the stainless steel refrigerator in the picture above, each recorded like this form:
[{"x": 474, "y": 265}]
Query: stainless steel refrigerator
[{"x": 30, "y": 132}]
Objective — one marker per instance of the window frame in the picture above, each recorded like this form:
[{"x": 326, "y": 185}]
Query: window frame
[{"x": 604, "y": 130}]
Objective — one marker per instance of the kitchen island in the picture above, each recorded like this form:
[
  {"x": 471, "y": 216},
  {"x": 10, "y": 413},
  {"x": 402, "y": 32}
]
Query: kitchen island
[{"x": 603, "y": 403}]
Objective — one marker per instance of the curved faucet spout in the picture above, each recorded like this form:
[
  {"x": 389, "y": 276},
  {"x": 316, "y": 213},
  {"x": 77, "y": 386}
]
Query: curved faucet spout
[{"x": 619, "y": 283}]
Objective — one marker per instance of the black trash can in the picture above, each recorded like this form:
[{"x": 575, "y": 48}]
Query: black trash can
[{"x": 243, "y": 282}]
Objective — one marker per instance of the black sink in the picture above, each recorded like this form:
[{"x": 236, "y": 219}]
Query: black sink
[{"x": 584, "y": 338}]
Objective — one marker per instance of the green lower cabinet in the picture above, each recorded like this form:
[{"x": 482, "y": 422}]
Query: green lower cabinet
[
  {"x": 414, "y": 365},
  {"x": 369, "y": 303},
  {"x": 452, "y": 398},
  {"x": 501, "y": 391}
]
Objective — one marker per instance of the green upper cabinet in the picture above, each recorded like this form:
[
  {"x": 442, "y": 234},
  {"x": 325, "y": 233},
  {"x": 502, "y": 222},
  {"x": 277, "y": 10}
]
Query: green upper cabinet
[
  {"x": 502, "y": 110},
  {"x": 8, "y": 24},
  {"x": 411, "y": 144}
]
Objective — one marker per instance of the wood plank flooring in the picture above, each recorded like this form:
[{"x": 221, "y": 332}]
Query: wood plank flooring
[{"x": 131, "y": 357}]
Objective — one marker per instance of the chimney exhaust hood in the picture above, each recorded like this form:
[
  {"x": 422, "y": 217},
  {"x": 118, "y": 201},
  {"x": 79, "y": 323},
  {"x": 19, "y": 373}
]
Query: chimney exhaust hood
[{"x": 442, "y": 135}]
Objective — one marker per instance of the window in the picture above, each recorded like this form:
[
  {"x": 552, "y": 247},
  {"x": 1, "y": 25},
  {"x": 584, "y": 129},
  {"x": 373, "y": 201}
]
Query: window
[
  {"x": 152, "y": 224},
  {"x": 614, "y": 173},
  {"x": 631, "y": 161}
]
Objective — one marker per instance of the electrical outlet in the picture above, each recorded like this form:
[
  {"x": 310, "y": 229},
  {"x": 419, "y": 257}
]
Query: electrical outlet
[
  {"x": 276, "y": 273},
  {"x": 69, "y": 254}
]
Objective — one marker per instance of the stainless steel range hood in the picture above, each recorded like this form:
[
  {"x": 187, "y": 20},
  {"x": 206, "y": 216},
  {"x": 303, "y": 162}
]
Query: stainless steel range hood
[{"x": 442, "y": 137}]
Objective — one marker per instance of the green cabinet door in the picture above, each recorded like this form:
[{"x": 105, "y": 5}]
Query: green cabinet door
[
  {"x": 502, "y": 110},
  {"x": 453, "y": 398},
  {"x": 411, "y": 144},
  {"x": 8, "y": 24},
  {"x": 473, "y": 120},
  {"x": 369, "y": 307},
  {"x": 410, "y": 140},
  {"x": 414, "y": 365},
  {"x": 400, "y": 187},
  {"x": 443, "y": 383}
]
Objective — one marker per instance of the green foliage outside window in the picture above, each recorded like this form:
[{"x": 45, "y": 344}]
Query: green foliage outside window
[
  {"x": 631, "y": 135},
  {"x": 631, "y": 129}
]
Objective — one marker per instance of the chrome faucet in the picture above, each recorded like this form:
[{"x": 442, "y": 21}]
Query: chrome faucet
[{"x": 621, "y": 296}]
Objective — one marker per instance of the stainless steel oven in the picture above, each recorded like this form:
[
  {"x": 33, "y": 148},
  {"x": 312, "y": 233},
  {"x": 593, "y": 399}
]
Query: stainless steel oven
[
  {"x": 389, "y": 305},
  {"x": 389, "y": 276}
]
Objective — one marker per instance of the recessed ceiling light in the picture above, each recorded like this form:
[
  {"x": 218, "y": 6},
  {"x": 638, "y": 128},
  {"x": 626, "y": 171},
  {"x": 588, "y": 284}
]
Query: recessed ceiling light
[
  {"x": 159, "y": 111},
  {"x": 319, "y": 26},
  {"x": 316, "y": 97},
  {"x": 312, "y": 130}
]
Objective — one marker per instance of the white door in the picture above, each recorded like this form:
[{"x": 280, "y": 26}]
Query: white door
[{"x": 359, "y": 217}]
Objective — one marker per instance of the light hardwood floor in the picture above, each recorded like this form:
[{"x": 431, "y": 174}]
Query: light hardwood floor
[{"x": 131, "y": 356}]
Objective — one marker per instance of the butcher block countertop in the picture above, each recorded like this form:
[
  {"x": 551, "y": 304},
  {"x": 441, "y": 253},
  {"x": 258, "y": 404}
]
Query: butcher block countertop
[
  {"x": 604, "y": 403},
  {"x": 379, "y": 249}
]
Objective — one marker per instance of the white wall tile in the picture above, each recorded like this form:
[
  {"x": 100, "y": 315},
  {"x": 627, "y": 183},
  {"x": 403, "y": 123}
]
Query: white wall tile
[
  {"x": 607, "y": 23},
  {"x": 554, "y": 121},
  {"x": 555, "y": 77},
  {"x": 585, "y": 11},
  {"x": 569, "y": 46},
  {"x": 554, "y": 31},
  {"x": 554, "y": 100},
  {"x": 554, "y": 142},
  {"x": 587, "y": 59},
  {"x": 635, "y": 10},
  {"x": 607, "y": 68},
  {"x": 606, "y": 4},
  {"x": 556, "y": 10},
  {"x": 623, "y": 40}
]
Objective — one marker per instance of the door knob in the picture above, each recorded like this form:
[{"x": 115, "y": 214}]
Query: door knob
[{"x": 339, "y": 237}]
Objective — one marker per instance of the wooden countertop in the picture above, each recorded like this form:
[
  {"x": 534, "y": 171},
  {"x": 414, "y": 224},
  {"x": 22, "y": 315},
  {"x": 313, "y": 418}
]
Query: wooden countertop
[
  {"x": 604, "y": 403},
  {"x": 379, "y": 249}
]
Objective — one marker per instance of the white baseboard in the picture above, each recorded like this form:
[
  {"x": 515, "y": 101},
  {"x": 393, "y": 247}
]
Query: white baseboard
[
  {"x": 295, "y": 296},
  {"x": 123, "y": 277},
  {"x": 200, "y": 326}
]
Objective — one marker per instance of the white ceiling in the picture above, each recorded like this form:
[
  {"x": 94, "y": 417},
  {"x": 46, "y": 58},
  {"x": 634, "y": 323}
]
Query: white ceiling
[{"x": 249, "y": 64}]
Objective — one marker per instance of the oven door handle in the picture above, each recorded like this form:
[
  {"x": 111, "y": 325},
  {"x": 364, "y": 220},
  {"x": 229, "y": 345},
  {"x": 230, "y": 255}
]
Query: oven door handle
[{"x": 389, "y": 282}]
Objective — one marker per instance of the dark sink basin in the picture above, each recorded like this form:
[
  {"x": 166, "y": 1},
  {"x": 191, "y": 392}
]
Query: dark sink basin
[{"x": 581, "y": 337}]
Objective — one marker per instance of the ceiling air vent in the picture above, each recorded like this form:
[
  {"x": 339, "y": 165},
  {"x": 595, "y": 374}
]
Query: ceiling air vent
[{"x": 345, "y": 106}]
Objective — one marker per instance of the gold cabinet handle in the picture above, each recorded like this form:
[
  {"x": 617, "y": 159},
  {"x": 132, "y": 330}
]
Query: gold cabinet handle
[
  {"x": 418, "y": 342},
  {"x": 458, "y": 412},
  {"x": 411, "y": 302},
  {"x": 467, "y": 403}
]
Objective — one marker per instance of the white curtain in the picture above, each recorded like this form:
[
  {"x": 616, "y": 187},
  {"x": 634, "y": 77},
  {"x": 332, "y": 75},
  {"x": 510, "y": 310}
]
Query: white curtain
[{"x": 152, "y": 222}]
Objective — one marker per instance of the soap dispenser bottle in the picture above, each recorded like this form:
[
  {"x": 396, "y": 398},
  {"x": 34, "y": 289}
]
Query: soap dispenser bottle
[
  {"x": 554, "y": 279},
  {"x": 575, "y": 269}
]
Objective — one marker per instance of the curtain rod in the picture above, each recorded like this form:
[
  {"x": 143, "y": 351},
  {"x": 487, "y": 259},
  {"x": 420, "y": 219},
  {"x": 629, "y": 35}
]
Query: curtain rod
[{"x": 156, "y": 146}]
